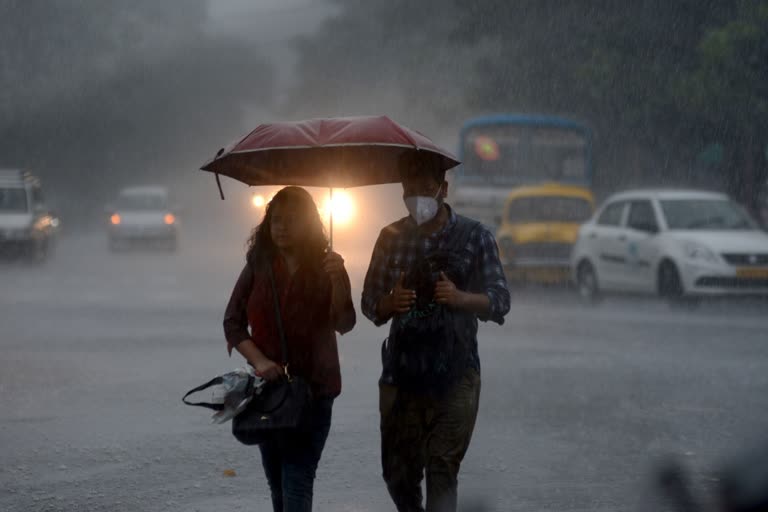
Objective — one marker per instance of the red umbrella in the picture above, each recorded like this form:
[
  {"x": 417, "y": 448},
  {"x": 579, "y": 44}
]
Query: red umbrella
[
  {"x": 333, "y": 152},
  {"x": 337, "y": 152}
]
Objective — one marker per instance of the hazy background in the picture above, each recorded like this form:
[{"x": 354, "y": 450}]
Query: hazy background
[
  {"x": 578, "y": 404},
  {"x": 96, "y": 95}
]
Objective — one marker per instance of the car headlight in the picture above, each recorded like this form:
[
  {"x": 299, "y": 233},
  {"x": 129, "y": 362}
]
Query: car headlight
[
  {"x": 698, "y": 252},
  {"x": 258, "y": 201},
  {"x": 42, "y": 223}
]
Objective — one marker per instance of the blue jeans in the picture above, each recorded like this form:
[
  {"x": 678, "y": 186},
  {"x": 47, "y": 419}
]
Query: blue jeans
[{"x": 290, "y": 460}]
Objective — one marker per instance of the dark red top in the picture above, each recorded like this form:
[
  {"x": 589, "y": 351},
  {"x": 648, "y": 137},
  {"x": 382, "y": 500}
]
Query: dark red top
[{"x": 308, "y": 321}]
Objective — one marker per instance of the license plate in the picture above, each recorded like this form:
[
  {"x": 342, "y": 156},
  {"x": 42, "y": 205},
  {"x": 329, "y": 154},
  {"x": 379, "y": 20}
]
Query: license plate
[{"x": 752, "y": 273}]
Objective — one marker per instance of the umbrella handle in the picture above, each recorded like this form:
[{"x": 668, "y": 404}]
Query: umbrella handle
[
  {"x": 330, "y": 210},
  {"x": 218, "y": 182}
]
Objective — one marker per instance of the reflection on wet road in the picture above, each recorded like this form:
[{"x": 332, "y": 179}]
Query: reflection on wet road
[{"x": 97, "y": 349}]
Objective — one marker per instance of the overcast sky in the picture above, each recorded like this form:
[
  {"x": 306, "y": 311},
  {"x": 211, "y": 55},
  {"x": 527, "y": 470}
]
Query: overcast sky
[{"x": 271, "y": 24}]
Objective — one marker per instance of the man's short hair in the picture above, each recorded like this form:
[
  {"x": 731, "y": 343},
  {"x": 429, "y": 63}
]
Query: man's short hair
[{"x": 412, "y": 163}]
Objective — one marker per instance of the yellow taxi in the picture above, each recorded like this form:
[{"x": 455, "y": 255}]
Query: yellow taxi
[{"x": 538, "y": 228}]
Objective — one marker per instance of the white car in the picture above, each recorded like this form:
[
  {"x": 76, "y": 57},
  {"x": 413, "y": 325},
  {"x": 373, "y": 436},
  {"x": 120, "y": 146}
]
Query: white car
[
  {"x": 142, "y": 215},
  {"x": 681, "y": 245}
]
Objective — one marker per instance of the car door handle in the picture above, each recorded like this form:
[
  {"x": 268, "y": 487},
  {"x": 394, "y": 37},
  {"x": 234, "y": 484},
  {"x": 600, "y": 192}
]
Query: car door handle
[
  {"x": 592, "y": 235},
  {"x": 622, "y": 238}
]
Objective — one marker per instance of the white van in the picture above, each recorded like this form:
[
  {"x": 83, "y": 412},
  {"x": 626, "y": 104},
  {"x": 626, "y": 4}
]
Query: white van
[{"x": 27, "y": 227}]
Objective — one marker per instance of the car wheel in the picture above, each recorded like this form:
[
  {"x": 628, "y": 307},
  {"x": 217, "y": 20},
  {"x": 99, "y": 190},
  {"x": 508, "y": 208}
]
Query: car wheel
[
  {"x": 587, "y": 284},
  {"x": 671, "y": 287}
]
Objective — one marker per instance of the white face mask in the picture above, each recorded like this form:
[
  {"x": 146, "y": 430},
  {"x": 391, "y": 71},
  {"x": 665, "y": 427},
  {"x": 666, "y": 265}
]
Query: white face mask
[{"x": 423, "y": 208}]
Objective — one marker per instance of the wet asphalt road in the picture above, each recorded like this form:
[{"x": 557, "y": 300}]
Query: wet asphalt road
[{"x": 578, "y": 403}]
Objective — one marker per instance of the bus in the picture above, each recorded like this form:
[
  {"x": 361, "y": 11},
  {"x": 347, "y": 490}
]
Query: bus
[{"x": 502, "y": 152}]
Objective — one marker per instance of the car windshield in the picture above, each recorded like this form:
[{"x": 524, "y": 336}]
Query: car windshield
[
  {"x": 549, "y": 209},
  {"x": 706, "y": 214},
  {"x": 13, "y": 200},
  {"x": 135, "y": 202}
]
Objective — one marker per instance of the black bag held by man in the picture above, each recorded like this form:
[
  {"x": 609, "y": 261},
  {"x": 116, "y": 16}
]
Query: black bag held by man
[
  {"x": 427, "y": 349},
  {"x": 281, "y": 404}
]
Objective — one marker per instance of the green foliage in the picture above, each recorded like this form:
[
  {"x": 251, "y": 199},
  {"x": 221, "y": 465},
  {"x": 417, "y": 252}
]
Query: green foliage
[
  {"x": 659, "y": 81},
  {"x": 730, "y": 83}
]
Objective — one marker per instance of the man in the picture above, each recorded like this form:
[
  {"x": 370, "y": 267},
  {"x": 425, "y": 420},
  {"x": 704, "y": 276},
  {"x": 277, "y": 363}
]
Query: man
[{"x": 434, "y": 274}]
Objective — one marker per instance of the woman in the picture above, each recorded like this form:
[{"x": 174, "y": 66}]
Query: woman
[{"x": 315, "y": 303}]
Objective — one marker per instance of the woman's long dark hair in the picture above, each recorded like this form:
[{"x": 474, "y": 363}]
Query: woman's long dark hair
[{"x": 315, "y": 244}]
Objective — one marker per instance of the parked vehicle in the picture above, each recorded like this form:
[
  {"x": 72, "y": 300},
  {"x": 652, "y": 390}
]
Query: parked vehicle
[{"x": 681, "y": 245}]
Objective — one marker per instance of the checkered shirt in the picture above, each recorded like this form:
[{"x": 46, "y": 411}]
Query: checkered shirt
[{"x": 401, "y": 243}]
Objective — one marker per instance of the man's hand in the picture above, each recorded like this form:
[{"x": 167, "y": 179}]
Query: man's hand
[
  {"x": 401, "y": 300},
  {"x": 334, "y": 266},
  {"x": 447, "y": 293}
]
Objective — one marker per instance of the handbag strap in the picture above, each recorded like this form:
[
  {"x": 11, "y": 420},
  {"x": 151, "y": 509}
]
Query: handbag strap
[
  {"x": 249, "y": 387},
  {"x": 207, "y": 405},
  {"x": 278, "y": 316}
]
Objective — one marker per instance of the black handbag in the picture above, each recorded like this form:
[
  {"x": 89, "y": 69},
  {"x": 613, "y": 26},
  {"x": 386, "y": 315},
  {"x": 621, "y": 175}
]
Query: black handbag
[{"x": 280, "y": 405}]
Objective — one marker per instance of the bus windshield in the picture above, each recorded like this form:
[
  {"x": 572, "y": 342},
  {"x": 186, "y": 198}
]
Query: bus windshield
[{"x": 510, "y": 154}]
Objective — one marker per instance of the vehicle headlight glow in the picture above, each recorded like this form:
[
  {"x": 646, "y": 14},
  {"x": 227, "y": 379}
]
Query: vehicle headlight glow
[
  {"x": 342, "y": 206},
  {"x": 42, "y": 223},
  {"x": 258, "y": 201},
  {"x": 698, "y": 252}
]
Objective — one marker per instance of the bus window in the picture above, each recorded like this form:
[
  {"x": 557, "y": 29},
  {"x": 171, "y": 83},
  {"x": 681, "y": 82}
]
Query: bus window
[{"x": 510, "y": 155}]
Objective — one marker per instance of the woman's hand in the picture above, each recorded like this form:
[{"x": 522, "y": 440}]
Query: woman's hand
[
  {"x": 342, "y": 310},
  {"x": 334, "y": 267},
  {"x": 264, "y": 366},
  {"x": 268, "y": 369}
]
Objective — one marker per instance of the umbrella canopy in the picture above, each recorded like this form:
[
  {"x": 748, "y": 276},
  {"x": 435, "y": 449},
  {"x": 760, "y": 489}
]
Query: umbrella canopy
[{"x": 334, "y": 152}]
